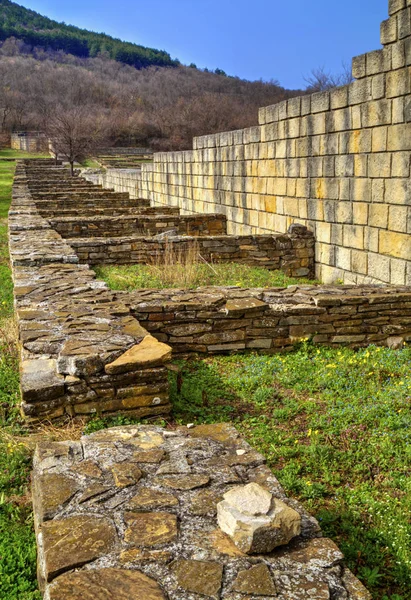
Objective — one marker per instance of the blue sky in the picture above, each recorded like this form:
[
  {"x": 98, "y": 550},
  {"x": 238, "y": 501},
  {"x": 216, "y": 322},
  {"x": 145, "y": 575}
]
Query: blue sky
[{"x": 268, "y": 39}]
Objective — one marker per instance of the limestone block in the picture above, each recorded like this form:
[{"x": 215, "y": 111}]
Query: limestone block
[
  {"x": 353, "y": 236},
  {"x": 378, "y": 61},
  {"x": 105, "y": 584},
  {"x": 149, "y": 352},
  {"x": 255, "y": 520},
  {"x": 399, "y": 137},
  {"x": 398, "y": 191},
  {"x": 398, "y": 272},
  {"x": 320, "y": 102},
  {"x": 339, "y": 97},
  {"x": 359, "y": 66},
  {"x": 398, "y": 83},
  {"x": 379, "y": 139},
  {"x": 397, "y": 220},
  {"x": 389, "y": 31},
  {"x": 360, "y": 213},
  {"x": 40, "y": 380},
  {"x": 404, "y": 24},
  {"x": 401, "y": 164},
  {"x": 395, "y": 244},
  {"x": 376, "y": 113},
  {"x": 379, "y": 165},
  {"x": 378, "y": 84},
  {"x": 360, "y": 91},
  {"x": 395, "y": 6}
]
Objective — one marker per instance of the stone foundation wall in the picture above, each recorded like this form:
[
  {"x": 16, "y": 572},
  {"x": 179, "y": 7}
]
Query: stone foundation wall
[
  {"x": 132, "y": 513},
  {"x": 81, "y": 350},
  {"x": 222, "y": 320},
  {"x": 84, "y": 226},
  {"x": 336, "y": 161},
  {"x": 292, "y": 253}
]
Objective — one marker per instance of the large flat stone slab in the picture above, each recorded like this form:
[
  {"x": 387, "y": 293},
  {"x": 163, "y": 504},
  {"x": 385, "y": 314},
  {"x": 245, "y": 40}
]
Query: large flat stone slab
[{"x": 113, "y": 525}]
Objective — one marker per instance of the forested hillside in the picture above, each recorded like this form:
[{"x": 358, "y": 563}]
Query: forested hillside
[
  {"x": 116, "y": 93},
  {"x": 36, "y": 30}
]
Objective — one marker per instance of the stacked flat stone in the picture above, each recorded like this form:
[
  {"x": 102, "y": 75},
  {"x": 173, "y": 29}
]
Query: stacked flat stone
[
  {"x": 82, "y": 352},
  {"x": 131, "y": 512},
  {"x": 218, "y": 320}
]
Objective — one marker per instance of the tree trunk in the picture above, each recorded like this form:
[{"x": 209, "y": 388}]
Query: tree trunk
[{"x": 72, "y": 168}]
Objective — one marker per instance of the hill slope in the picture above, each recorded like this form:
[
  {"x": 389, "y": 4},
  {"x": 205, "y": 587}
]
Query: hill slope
[{"x": 36, "y": 30}]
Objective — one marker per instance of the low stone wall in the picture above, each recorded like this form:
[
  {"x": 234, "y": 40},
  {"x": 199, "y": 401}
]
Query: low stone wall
[
  {"x": 82, "y": 352},
  {"x": 132, "y": 513},
  {"x": 83, "y": 349},
  {"x": 292, "y": 253},
  {"x": 83, "y": 226},
  {"x": 222, "y": 320}
]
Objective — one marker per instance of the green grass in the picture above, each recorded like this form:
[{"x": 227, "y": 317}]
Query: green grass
[
  {"x": 130, "y": 277},
  {"x": 17, "y": 541},
  {"x": 335, "y": 426},
  {"x": 90, "y": 163}
]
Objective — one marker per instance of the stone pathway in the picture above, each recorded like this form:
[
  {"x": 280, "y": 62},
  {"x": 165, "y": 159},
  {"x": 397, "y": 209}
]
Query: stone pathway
[{"x": 131, "y": 512}]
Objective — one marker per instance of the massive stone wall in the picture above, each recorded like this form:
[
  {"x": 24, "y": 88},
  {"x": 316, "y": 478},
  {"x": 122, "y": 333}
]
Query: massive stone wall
[{"x": 337, "y": 161}]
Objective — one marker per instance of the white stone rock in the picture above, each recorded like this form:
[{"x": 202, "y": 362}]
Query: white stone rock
[{"x": 256, "y": 522}]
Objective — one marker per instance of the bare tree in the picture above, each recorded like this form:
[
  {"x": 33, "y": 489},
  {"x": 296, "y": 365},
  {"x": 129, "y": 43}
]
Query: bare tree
[
  {"x": 321, "y": 80},
  {"x": 75, "y": 133}
]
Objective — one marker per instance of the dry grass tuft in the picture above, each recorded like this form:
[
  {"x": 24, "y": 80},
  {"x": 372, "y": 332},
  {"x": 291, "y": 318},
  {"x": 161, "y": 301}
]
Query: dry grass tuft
[{"x": 179, "y": 267}]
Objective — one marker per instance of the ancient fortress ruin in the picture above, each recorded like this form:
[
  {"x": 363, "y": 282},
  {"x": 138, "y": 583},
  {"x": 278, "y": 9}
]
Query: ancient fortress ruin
[{"x": 320, "y": 187}]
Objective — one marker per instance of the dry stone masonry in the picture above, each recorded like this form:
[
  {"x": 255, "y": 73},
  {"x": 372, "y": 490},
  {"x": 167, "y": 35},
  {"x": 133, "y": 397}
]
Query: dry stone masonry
[
  {"x": 88, "y": 350},
  {"x": 131, "y": 513},
  {"x": 82, "y": 352},
  {"x": 336, "y": 161}
]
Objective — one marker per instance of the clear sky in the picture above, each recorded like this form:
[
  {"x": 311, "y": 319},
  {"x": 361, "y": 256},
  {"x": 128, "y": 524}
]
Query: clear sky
[{"x": 268, "y": 39}]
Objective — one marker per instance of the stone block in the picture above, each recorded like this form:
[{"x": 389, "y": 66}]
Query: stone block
[
  {"x": 388, "y": 31},
  {"x": 255, "y": 520}
]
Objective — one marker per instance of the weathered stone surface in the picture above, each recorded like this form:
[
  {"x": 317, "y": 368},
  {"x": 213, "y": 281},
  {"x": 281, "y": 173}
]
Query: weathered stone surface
[
  {"x": 149, "y": 498},
  {"x": 183, "y": 482},
  {"x": 150, "y": 529},
  {"x": 74, "y": 541},
  {"x": 200, "y": 577},
  {"x": 251, "y": 499},
  {"x": 151, "y": 456},
  {"x": 51, "y": 491},
  {"x": 126, "y": 474},
  {"x": 40, "y": 380},
  {"x": 354, "y": 587},
  {"x": 256, "y": 581},
  {"x": 205, "y": 502},
  {"x": 257, "y": 523},
  {"x": 105, "y": 584},
  {"x": 148, "y": 353},
  {"x": 137, "y": 555},
  {"x": 220, "y": 432},
  {"x": 88, "y": 468}
]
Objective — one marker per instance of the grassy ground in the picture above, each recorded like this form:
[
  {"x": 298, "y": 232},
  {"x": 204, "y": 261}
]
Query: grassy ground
[
  {"x": 153, "y": 276},
  {"x": 17, "y": 543}
]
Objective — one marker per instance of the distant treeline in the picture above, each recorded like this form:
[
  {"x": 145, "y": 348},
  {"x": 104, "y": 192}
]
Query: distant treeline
[{"x": 36, "y": 30}]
